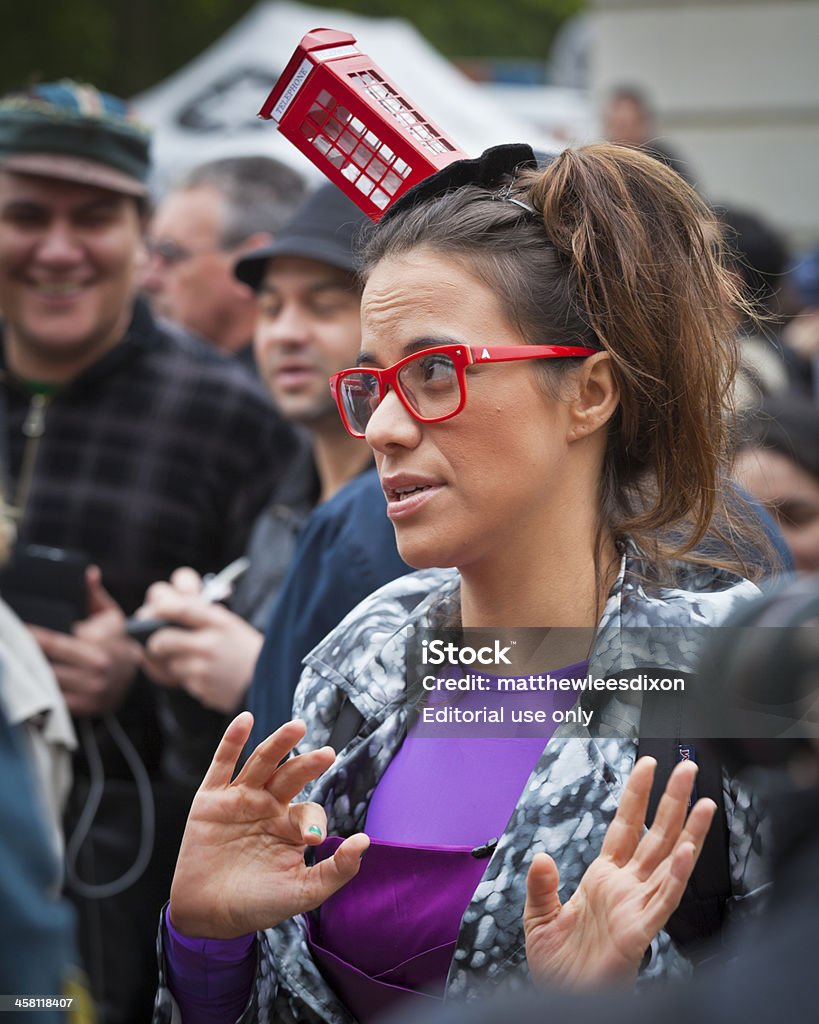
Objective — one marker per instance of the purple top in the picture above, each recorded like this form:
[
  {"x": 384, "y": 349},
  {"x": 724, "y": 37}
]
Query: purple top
[
  {"x": 402, "y": 945},
  {"x": 475, "y": 772}
]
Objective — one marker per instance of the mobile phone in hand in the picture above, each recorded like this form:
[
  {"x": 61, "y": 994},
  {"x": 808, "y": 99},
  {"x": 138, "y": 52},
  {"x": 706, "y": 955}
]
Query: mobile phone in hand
[{"x": 46, "y": 586}]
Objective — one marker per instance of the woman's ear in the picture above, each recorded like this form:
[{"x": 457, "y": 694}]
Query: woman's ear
[{"x": 595, "y": 399}]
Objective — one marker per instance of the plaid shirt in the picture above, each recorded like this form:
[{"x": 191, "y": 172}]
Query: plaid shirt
[{"x": 159, "y": 455}]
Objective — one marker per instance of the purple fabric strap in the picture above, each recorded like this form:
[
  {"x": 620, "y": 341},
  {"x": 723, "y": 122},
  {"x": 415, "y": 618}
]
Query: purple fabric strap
[
  {"x": 376, "y": 941},
  {"x": 210, "y": 978}
]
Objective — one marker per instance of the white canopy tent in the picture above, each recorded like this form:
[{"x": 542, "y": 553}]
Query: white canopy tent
[{"x": 208, "y": 108}]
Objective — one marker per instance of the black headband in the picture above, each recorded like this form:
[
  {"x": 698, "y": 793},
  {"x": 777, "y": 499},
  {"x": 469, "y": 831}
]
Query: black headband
[{"x": 490, "y": 170}]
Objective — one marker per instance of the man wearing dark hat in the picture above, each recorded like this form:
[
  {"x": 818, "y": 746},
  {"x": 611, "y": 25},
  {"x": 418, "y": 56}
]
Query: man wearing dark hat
[
  {"x": 137, "y": 450},
  {"x": 308, "y": 327}
]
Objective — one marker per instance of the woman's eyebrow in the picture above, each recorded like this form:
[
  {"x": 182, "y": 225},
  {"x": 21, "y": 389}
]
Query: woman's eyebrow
[{"x": 368, "y": 359}]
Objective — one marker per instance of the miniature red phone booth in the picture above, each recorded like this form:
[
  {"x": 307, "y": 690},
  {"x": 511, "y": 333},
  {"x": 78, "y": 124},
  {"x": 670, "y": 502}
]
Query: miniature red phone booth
[{"x": 340, "y": 109}]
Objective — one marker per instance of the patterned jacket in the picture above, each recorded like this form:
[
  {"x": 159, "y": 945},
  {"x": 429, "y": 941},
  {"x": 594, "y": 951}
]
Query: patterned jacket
[{"x": 565, "y": 807}]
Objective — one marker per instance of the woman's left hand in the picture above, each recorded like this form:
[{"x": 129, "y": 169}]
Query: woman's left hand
[{"x": 626, "y": 895}]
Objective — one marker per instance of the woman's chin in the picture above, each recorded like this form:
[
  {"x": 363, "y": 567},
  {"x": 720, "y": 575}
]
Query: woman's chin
[
  {"x": 420, "y": 562},
  {"x": 424, "y": 556}
]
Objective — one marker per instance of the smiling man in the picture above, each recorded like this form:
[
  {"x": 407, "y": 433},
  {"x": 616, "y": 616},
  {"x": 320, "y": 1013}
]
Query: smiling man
[
  {"x": 64, "y": 311},
  {"x": 136, "y": 449}
]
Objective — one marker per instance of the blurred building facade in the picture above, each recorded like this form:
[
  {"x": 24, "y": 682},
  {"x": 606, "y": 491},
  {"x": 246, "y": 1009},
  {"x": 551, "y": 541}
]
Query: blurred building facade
[{"x": 735, "y": 85}]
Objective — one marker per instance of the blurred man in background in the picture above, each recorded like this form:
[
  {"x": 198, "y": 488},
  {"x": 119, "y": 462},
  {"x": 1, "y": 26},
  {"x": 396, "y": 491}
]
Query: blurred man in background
[
  {"x": 215, "y": 214},
  {"x": 628, "y": 120}
]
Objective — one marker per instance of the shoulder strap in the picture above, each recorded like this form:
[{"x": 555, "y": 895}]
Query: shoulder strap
[
  {"x": 346, "y": 727},
  {"x": 700, "y": 914}
]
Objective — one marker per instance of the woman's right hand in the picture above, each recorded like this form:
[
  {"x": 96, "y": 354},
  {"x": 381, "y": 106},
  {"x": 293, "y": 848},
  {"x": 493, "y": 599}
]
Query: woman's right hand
[{"x": 241, "y": 863}]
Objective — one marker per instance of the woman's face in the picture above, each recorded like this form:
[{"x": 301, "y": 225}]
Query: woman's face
[
  {"x": 792, "y": 496},
  {"x": 484, "y": 483}
]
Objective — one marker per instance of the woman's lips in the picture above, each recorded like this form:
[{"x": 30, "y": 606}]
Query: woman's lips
[{"x": 406, "y": 500}]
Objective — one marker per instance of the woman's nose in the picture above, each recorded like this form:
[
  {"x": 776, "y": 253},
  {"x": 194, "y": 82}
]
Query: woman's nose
[{"x": 392, "y": 424}]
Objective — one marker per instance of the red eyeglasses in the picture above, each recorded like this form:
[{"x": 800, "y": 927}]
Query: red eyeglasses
[{"x": 431, "y": 383}]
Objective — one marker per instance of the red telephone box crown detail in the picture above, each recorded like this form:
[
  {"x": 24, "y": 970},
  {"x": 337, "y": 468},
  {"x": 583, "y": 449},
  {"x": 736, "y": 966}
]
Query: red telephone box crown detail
[{"x": 340, "y": 109}]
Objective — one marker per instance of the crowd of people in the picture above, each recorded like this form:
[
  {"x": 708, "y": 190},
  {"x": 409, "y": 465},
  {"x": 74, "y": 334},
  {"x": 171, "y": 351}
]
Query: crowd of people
[{"x": 566, "y": 393}]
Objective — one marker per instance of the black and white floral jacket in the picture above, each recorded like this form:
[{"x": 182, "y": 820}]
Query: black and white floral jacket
[{"x": 565, "y": 807}]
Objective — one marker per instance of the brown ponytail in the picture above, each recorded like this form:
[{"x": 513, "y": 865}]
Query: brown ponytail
[
  {"x": 644, "y": 257},
  {"x": 630, "y": 262}
]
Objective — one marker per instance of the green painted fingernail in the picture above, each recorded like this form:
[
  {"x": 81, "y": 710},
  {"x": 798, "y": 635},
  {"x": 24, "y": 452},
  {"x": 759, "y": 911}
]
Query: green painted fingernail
[{"x": 314, "y": 830}]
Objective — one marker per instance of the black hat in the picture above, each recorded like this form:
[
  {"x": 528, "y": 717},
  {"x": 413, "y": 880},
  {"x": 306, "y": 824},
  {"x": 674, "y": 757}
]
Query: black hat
[{"x": 328, "y": 228}]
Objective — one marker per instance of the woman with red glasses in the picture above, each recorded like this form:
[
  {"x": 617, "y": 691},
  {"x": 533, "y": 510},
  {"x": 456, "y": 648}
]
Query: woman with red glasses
[{"x": 542, "y": 382}]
